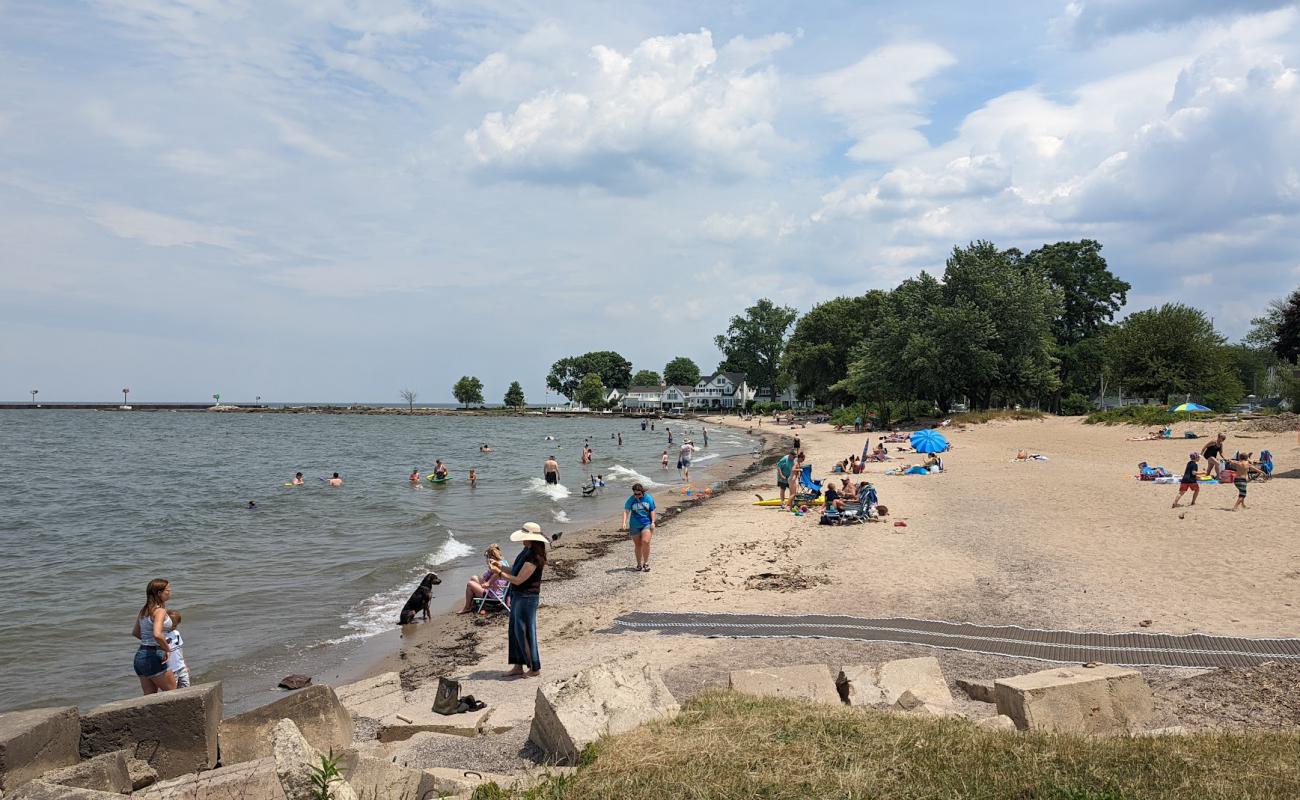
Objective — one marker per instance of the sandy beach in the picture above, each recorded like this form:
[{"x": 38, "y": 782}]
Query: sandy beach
[{"x": 1073, "y": 542}]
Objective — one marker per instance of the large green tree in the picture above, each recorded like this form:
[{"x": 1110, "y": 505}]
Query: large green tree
[
  {"x": 681, "y": 371},
  {"x": 817, "y": 355},
  {"x": 590, "y": 391},
  {"x": 468, "y": 390},
  {"x": 646, "y": 377},
  {"x": 1286, "y": 334},
  {"x": 614, "y": 371},
  {"x": 1090, "y": 297},
  {"x": 514, "y": 397},
  {"x": 754, "y": 341},
  {"x": 1170, "y": 351}
]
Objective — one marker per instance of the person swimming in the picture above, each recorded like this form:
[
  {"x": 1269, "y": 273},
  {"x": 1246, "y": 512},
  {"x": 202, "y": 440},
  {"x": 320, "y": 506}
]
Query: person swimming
[
  {"x": 483, "y": 448},
  {"x": 297, "y": 479},
  {"x": 336, "y": 480},
  {"x": 251, "y": 504},
  {"x": 473, "y": 478},
  {"x": 415, "y": 475}
]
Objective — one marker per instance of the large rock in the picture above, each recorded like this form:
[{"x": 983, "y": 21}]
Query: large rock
[
  {"x": 887, "y": 682},
  {"x": 176, "y": 732},
  {"x": 378, "y": 778},
  {"x": 807, "y": 682},
  {"x": 106, "y": 773},
  {"x": 295, "y": 761},
  {"x": 43, "y": 790},
  {"x": 1101, "y": 699},
  {"x": 320, "y": 717},
  {"x": 252, "y": 780},
  {"x": 599, "y": 701},
  {"x": 142, "y": 774},
  {"x": 36, "y": 741},
  {"x": 979, "y": 691},
  {"x": 414, "y": 719},
  {"x": 375, "y": 697}
]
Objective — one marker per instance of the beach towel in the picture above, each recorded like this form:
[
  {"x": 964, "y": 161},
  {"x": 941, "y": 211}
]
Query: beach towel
[{"x": 917, "y": 471}]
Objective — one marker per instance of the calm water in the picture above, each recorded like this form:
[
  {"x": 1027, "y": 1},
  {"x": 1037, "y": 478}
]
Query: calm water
[{"x": 95, "y": 504}]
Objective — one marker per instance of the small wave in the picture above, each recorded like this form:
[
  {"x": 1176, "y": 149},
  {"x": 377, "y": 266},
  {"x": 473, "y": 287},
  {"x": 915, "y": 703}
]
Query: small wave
[
  {"x": 560, "y": 515},
  {"x": 618, "y": 472},
  {"x": 709, "y": 457},
  {"x": 451, "y": 550},
  {"x": 379, "y": 612},
  {"x": 555, "y": 491}
]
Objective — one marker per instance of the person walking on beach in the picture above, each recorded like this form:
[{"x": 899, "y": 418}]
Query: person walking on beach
[
  {"x": 1189, "y": 480},
  {"x": 684, "y": 462},
  {"x": 551, "y": 470},
  {"x": 151, "y": 627},
  {"x": 1212, "y": 451},
  {"x": 784, "y": 469},
  {"x": 525, "y": 579},
  {"x": 639, "y": 522},
  {"x": 1240, "y": 476}
]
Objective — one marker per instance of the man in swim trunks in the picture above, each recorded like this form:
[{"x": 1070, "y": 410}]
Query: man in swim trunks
[
  {"x": 551, "y": 470},
  {"x": 297, "y": 479},
  {"x": 784, "y": 469}
]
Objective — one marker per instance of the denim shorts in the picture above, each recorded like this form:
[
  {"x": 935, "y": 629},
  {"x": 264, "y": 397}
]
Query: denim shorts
[{"x": 149, "y": 662}]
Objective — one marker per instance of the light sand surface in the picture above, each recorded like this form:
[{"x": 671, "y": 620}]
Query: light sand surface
[{"x": 1074, "y": 542}]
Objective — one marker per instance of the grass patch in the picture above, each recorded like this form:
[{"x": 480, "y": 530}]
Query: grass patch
[
  {"x": 981, "y": 417},
  {"x": 732, "y": 746},
  {"x": 1142, "y": 415}
]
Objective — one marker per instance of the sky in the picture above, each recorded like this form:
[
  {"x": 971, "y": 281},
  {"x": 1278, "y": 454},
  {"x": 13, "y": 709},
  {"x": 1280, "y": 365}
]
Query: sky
[{"x": 334, "y": 200}]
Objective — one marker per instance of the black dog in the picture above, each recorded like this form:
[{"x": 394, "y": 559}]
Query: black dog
[{"x": 420, "y": 599}]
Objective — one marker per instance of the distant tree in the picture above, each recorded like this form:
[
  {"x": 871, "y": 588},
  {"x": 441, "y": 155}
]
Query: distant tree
[
  {"x": 681, "y": 371},
  {"x": 409, "y": 396},
  {"x": 1172, "y": 350},
  {"x": 817, "y": 355},
  {"x": 754, "y": 341},
  {"x": 591, "y": 391},
  {"x": 1251, "y": 366},
  {"x": 1286, "y": 336},
  {"x": 468, "y": 390},
  {"x": 646, "y": 377},
  {"x": 514, "y": 396},
  {"x": 613, "y": 370},
  {"x": 1090, "y": 297}
]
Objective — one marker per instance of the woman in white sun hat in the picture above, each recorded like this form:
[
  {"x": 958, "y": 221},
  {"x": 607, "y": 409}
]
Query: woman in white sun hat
[{"x": 525, "y": 577}]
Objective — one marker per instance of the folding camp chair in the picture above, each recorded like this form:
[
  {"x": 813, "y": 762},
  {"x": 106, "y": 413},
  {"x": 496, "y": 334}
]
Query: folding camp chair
[{"x": 496, "y": 596}]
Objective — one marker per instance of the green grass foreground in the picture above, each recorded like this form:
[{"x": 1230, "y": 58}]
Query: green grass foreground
[{"x": 728, "y": 745}]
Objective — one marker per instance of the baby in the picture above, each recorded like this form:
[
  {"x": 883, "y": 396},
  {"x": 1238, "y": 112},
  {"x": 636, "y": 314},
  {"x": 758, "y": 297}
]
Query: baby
[{"x": 176, "y": 661}]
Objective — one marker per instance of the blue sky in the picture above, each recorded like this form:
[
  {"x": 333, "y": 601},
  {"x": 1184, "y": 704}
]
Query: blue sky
[{"x": 336, "y": 199}]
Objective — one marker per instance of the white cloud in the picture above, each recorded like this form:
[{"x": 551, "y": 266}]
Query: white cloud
[
  {"x": 879, "y": 98},
  {"x": 294, "y": 135},
  {"x": 1087, "y": 21},
  {"x": 162, "y": 230},
  {"x": 665, "y": 107},
  {"x": 771, "y": 224}
]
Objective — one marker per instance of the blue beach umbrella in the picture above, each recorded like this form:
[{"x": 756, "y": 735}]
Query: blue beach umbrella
[{"x": 929, "y": 441}]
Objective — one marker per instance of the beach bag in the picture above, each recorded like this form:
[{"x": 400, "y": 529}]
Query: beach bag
[{"x": 447, "y": 701}]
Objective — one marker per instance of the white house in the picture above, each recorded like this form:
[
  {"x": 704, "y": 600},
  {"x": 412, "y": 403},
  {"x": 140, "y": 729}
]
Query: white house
[
  {"x": 613, "y": 398},
  {"x": 721, "y": 390},
  {"x": 643, "y": 398},
  {"x": 788, "y": 397}
]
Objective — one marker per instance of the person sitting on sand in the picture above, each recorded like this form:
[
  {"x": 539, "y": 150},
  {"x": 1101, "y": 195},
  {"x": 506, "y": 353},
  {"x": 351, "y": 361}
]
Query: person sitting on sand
[
  {"x": 336, "y": 480},
  {"x": 933, "y": 462},
  {"x": 479, "y": 585},
  {"x": 880, "y": 452},
  {"x": 297, "y": 479}
]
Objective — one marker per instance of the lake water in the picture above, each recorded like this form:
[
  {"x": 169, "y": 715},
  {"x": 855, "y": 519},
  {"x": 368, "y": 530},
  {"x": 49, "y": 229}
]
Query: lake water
[{"x": 95, "y": 504}]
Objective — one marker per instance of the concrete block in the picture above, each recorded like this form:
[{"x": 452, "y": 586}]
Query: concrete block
[
  {"x": 375, "y": 697},
  {"x": 807, "y": 682},
  {"x": 979, "y": 691},
  {"x": 35, "y": 742},
  {"x": 913, "y": 704},
  {"x": 316, "y": 710},
  {"x": 1101, "y": 699},
  {"x": 176, "y": 732},
  {"x": 141, "y": 773},
  {"x": 251, "y": 780},
  {"x": 606, "y": 699},
  {"x": 415, "y": 719},
  {"x": 294, "y": 761},
  {"x": 999, "y": 723},
  {"x": 378, "y": 778},
  {"x": 43, "y": 790},
  {"x": 887, "y": 682},
  {"x": 106, "y": 773}
]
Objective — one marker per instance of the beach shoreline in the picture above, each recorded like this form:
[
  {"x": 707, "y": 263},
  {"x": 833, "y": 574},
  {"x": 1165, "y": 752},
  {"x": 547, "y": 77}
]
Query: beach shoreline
[{"x": 421, "y": 653}]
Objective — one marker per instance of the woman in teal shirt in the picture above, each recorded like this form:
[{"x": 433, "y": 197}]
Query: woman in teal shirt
[{"x": 639, "y": 522}]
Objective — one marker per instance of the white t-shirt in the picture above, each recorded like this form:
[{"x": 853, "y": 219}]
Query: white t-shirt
[{"x": 686, "y": 451}]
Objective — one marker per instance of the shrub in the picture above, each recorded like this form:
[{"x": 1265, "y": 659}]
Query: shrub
[
  {"x": 980, "y": 417},
  {"x": 1075, "y": 405},
  {"x": 1141, "y": 415}
]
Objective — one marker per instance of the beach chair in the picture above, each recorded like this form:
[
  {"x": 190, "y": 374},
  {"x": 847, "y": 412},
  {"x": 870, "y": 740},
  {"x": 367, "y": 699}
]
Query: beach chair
[
  {"x": 811, "y": 488},
  {"x": 496, "y": 596}
]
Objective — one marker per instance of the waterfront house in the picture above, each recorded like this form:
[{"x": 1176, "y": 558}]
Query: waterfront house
[{"x": 721, "y": 390}]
